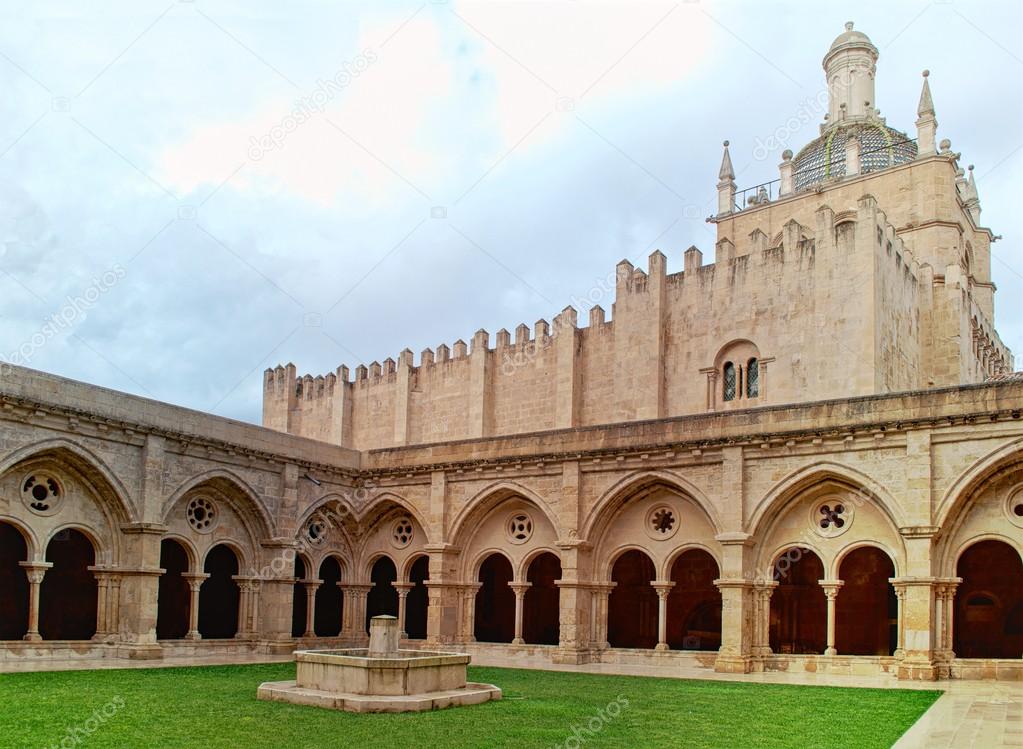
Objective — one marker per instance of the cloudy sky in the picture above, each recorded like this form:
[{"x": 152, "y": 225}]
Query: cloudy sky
[{"x": 191, "y": 192}]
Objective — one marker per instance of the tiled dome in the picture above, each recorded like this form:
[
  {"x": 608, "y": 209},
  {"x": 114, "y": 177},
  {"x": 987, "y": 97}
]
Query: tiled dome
[{"x": 880, "y": 147}]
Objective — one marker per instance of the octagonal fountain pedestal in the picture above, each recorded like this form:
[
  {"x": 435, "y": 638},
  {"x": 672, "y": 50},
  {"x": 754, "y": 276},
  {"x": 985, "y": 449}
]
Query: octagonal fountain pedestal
[{"x": 379, "y": 679}]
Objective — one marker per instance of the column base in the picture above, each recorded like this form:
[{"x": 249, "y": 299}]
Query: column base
[
  {"x": 193, "y": 636},
  {"x": 733, "y": 664},
  {"x": 32, "y": 637},
  {"x": 830, "y": 651},
  {"x": 922, "y": 669},
  {"x": 571, "y": 655},
  {"x": 141, "y": 652},
  {"x": 661, "y": 646},
  {"x": 518, "y": 641}
]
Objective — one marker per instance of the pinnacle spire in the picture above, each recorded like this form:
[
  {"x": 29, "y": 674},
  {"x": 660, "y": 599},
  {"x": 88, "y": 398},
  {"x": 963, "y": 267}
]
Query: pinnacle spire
[
  {"x": 727, "y": 173},
  {"x": 971, "y": 186},
  {"x": 926, "y": 106}
]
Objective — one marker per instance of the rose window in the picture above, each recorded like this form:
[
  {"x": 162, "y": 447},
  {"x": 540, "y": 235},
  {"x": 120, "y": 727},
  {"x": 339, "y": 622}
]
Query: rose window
[
  {"x": 316, "y": 531},
  {"x": 402, "y": 533},
  {"x": 201, "y": 514},
  {"x": 42, "y": 493},
  {"x": 662, "y": 522},
  {"x": 520, "y": 528},
  {"x": 1014, "y": 508}
]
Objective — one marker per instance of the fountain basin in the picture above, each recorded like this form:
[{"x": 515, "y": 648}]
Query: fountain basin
[
  {"x": 354, "y": 671},
  {"x": 380, "y": 678}
]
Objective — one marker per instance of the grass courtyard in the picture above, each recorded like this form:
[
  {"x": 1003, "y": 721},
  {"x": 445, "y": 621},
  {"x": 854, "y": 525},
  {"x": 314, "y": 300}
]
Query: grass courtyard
[{"x": 216, "y": 707}]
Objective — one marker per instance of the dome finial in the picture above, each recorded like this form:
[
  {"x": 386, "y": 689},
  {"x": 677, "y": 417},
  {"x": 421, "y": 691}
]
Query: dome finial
[{"x": 848, "y": 25}]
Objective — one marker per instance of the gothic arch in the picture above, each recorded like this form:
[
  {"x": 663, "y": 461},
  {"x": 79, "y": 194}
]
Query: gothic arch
[
  {"x": 244, "y": 559},
  {"x": 104, "y": 551},
  {"x": 242, "y": 498},
  {"x": 636, "y": 486},
  {"x": 809, "y": 476},
  {"x": 617, "y": 553},
  {"x": 343, "y": 561},
  {"x": 973, "y": 541},
  {"x": 31, "y": 541},
  {"x": 523, "y": 570},
  {"x": 487, "y": 500},
  {"x": 194, "y": 559},
  {"x": 836, "y": 563},
  {"x": 341, "y": 521},
  {"x": 383, "y": 503},
  {"x": 768, "y": 561},
  {"x": 479, "y": 558},
  {"x": 405, "y": 572},
  {"x": 665, "y": 572},
  {"x": 87, "y": 467},
  {"x": 957, "y": 499}
]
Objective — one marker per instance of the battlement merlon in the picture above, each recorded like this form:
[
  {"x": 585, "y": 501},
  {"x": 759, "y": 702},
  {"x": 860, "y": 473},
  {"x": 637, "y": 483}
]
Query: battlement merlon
[{"x": 845, "y": 268}]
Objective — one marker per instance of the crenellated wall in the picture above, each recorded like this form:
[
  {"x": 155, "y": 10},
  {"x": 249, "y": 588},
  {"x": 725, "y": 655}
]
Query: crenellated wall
[{"x": 837, "y": 306}]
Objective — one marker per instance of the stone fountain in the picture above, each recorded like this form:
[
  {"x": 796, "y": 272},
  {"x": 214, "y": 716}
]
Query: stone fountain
[{"x": 380, "y": 679}]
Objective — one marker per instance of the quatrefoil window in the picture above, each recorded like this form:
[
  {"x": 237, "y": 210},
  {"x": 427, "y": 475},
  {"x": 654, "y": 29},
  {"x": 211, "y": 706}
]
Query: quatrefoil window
[
  {"x": 42, "y": 493},
  {"x": 520, "y": 528},
  {"x": 832, "y": 515},
  {"x": 402, "y": 533}
]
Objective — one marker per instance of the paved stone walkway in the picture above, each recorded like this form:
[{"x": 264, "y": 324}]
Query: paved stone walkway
[{"x": 969, "y": 715}]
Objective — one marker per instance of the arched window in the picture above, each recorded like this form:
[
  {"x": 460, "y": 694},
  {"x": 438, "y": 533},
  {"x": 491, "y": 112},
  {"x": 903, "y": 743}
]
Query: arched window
[
  {"x": 728, "y": 378},
  {"x": 752, "y": 378}
]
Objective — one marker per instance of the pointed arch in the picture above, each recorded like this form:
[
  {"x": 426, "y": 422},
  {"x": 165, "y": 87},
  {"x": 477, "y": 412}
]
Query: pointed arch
[
  {"x": 957, "y": 498},
  {"x": 239, "y": 495},
  {"x": 638, "y": 485},
  {"x": 488, "y": 499},
  {"x": 90, "y": 468},
  {"x": 809, "y": 476},
  {"x": 336, "y": 511}
]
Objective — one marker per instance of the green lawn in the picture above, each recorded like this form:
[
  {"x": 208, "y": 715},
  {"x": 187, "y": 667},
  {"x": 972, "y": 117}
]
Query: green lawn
[{"x": 216, "y": 707}]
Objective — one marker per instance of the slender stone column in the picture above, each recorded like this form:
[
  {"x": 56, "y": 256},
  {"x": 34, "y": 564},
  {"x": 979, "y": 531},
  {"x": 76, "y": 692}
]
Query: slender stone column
[
  {"x": 353, "y": 623},
  {"x": 34, "y": 571},
  {"x": 403, "y": 590},
  {"x": 310, "y": 587},
  {"x": 663, "y": 588},
  {"x": 762, "y": 611},
  {"x": 601, "y": 592},
  {"x": 949, "y": 620},
  {"x": 520, "y": 594},
  {"x": 248, "y": 608},
  {"x": 831, "y": 588},
  {"x": 468, "y": 618},
  {"x": 195, "y": 581},
  {"x": 102, "y": 588},
  {"x": 900, "y": 593}
]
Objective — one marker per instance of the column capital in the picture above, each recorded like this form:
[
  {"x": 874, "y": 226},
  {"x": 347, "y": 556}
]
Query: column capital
[
  {"x": 663, "y": 587},
  {"x": 403, "y": 588},
  {"x": 35, "y": 571},
  {"x": 520, "y": 588},
  {"x": 831, "y": 587}
]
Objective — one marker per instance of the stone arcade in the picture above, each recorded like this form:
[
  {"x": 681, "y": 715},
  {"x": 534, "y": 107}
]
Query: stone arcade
[{"x": 807, "y": 455}]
